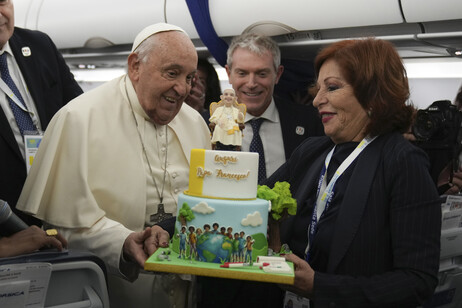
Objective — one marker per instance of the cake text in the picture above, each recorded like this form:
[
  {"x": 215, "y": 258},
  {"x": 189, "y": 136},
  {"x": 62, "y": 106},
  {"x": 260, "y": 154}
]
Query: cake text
[
  {"x": 232, "y": 176},
  {"x": 224, "y": 159},
  {"x": 202, "y": 173}
]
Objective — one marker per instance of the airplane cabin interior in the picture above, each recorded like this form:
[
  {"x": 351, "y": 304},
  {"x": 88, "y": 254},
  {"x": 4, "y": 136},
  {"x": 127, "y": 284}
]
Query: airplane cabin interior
[{"x": 95, "y": 39}]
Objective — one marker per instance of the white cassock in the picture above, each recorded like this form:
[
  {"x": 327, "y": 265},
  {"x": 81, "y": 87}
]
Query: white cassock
[{"x": 90, "y": 179}]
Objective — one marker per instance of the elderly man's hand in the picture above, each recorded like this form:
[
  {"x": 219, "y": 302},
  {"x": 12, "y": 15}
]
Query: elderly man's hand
[{"x": 138, "y": 246}]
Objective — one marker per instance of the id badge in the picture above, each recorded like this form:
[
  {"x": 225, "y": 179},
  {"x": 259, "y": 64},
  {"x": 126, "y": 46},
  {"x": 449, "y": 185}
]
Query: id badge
[
  {"x": 292, "y": 300},
  {"x": 31, "y": 143}
]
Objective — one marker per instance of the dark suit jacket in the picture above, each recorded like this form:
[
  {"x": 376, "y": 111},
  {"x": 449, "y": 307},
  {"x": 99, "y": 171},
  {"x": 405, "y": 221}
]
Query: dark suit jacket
[
  {"x": 51, "y": 85},
  {"x": 295, "y": 116},
  {"x": 385, "y": 246}
]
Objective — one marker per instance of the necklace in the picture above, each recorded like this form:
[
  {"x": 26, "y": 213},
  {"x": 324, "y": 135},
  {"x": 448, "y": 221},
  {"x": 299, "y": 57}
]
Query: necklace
[{"x": 161, "y": 214}]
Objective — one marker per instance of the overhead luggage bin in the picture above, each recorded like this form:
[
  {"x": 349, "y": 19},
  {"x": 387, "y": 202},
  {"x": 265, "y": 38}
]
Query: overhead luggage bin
[
  {"x": 231, "y": 18},
  {"x": 83, "y": 28},
  {"x": 424, "y": 11},
  {"x": 96, "y": 24}
]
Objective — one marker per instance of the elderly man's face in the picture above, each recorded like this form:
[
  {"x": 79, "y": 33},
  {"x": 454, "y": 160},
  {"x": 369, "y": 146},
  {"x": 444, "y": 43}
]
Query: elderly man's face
[
  {"x": 6, "y": 21},
  {"x": 163, "y": 82}
]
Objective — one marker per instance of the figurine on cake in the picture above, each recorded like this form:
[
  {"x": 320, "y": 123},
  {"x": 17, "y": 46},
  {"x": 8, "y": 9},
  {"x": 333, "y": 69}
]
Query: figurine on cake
[
  {"x": 192, "y": 243},
  {"x": 182, "y": 236},
  {"x": 248, "y": 249},
  {"x": 227, "y": 122}
]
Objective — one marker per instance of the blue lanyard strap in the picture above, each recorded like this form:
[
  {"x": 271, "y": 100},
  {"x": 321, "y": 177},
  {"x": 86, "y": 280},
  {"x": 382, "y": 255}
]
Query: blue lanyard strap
[{"x": 325, "y": 192}]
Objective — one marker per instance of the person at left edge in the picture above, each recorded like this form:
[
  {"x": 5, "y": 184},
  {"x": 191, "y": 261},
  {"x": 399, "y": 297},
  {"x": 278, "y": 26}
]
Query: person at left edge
[
  {"x": 102, "y": 186},
  {"x": 45, "y": 83}
]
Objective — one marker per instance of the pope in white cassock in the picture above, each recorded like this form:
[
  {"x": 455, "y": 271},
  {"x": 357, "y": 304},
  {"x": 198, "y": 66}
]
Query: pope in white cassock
[{"x": 113, "y": 160}]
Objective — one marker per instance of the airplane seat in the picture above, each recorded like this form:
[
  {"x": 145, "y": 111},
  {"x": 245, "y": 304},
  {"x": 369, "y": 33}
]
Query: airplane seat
[
  {"x": 78, "y": 278},
  {"x": 448, "y": 293}
]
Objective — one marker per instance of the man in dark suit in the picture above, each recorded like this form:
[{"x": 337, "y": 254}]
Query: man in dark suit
[
  {"x": 45, "y": 84},
  {"x": 254, "y": 68}
]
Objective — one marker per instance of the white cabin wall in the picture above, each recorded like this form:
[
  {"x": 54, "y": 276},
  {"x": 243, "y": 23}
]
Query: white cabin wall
[{"x": 424, "y": 91}]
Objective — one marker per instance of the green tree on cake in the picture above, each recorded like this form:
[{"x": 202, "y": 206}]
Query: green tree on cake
[
  {"x": 282, "y": 205},
  {"x": 185, "y": 214}
]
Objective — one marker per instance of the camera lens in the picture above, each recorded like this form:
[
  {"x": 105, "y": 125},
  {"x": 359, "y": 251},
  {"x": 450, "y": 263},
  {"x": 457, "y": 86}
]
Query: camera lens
[{"x": 426, "y": 125}]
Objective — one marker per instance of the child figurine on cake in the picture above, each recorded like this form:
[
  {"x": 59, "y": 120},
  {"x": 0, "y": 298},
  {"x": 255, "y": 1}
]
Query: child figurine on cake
[{"x": 226, "y": 122}]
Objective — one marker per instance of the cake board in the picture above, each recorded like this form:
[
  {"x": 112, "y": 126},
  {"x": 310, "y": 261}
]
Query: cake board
[{"x": 194, "y": 267}]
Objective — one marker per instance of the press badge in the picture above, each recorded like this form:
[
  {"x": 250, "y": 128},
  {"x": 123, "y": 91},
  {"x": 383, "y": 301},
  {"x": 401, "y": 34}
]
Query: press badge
[
  {"x": 292, "y": 300},
  {"x": 31, "y": 144}
]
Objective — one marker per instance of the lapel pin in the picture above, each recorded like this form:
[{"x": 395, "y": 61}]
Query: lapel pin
[
  {"x": 299, "y": 130},
  {"x": 26, "y": 51}
]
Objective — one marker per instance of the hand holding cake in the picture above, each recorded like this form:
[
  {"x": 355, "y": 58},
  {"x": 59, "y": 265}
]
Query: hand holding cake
[{"x": 138, "y": 246}]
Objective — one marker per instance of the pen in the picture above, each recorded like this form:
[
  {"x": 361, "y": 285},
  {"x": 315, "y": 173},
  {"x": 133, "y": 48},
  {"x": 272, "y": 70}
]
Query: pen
[{"x": 232, "y": 264}]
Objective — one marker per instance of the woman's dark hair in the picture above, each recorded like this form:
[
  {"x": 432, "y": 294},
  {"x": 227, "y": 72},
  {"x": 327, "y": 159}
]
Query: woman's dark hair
[
  {"x": 213, "y": 89},
  {"x": 458, "y": 99},
  {"x": 375, "y": 71}
]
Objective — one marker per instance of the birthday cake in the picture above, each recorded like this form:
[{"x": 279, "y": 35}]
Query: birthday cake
[{"x": 219, "y": 217}]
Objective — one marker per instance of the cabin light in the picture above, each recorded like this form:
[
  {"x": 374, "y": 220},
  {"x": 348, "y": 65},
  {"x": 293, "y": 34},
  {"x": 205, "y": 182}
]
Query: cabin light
[
  {"x": 448, "y": 67},
  {"x": 455, "y": 52},
  {"x": 98, "y": 74},
  {"x": 82, "y": 66},
  {"x": 97, "y": 43}
]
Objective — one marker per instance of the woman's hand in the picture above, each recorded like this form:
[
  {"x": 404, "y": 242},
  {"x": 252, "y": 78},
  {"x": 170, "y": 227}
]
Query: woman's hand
[
  {"x": 304, "y": 277},
  {"x": 455, "y": 186},
  {"x": 196, "y": 97}
]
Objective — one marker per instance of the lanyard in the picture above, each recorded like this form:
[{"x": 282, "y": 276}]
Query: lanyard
[
  {"x": 325, "y": 192},
  {"x": 5, "y": 88},
  {"x": 12, "y": 96}
]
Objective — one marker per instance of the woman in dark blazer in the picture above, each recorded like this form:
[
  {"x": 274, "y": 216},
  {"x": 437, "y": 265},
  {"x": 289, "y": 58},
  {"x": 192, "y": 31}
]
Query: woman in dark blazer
[{"x": 367, "y": 228}]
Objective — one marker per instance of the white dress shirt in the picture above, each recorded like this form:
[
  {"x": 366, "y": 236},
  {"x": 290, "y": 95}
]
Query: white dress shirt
[
  {"x": 271, "y": 137},
  {"x": 18, "y": 79}
]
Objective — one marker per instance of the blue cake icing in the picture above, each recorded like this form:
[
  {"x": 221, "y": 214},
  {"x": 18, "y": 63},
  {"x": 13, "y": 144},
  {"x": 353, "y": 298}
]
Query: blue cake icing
[{"x": 245, "y": 223}]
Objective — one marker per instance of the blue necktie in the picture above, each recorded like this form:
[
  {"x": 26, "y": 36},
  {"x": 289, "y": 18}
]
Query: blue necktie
[
  {"x": 22, "y": 117},
  {"x": 256, "y": 145}
]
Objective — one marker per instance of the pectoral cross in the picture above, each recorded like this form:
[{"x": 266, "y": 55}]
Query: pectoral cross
[{"x": 160, "y": 215}]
